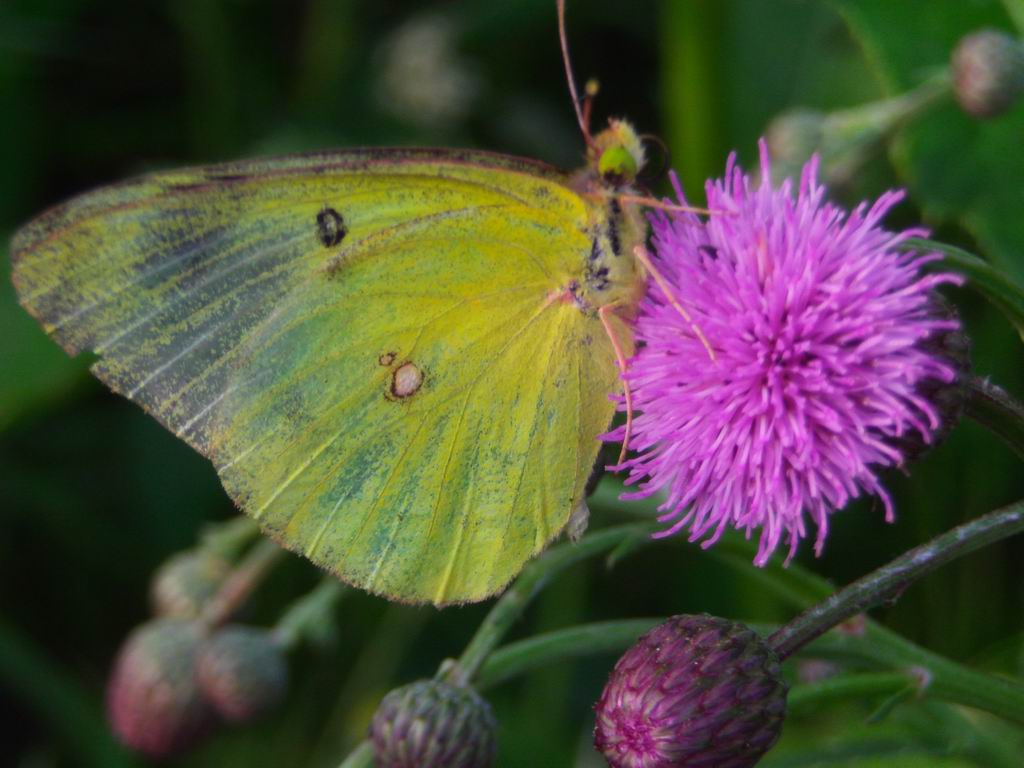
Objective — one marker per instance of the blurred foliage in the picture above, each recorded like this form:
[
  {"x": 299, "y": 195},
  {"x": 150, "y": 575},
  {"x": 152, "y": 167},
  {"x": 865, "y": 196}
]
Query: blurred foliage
[
  {"x": 94, "y": 494},
  {"x": 957, "y": 168}
]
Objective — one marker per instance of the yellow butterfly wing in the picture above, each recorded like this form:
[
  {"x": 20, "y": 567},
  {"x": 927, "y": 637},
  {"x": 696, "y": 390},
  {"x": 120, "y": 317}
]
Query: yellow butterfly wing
[{"x": 376, "y": 348}]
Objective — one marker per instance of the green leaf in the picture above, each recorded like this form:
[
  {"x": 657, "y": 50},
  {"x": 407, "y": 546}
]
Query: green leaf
[{"x": 958, "y": 168}]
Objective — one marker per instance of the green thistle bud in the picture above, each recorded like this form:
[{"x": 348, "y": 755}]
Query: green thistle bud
[
  {"x": 433, "y": 724},
  {"x": 153, "y": 702},
  {"x": 242, "y": 672},
  {"x": 694, "y": 691},
  {"x": 184, "y": 583},
  {"x": 988, "y": 72}
]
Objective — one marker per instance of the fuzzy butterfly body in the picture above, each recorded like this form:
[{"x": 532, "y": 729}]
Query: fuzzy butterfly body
[{"x": 393, "y": 357}]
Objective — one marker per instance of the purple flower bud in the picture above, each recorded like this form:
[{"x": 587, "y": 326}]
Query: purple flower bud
[
  {"x": 153, "y": 702},
  {"x": 696, "y": 691},
  {"x": 433, "y": 724},
  {"x": 988, "y": 72},
  {"x": 242, "y": 672},
  {"x": 185, "y": 582}
]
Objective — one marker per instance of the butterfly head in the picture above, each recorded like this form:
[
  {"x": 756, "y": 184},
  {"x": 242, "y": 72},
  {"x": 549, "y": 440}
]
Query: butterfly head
[{"x": 617, "y": 154}]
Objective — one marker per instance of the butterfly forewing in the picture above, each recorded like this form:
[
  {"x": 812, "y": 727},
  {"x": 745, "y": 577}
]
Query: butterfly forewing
[{"x": 364, "y": 343}]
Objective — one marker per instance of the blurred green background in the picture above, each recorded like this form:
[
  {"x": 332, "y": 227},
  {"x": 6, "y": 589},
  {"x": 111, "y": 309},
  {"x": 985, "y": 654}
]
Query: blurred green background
[{"x": 94, "y": 494}]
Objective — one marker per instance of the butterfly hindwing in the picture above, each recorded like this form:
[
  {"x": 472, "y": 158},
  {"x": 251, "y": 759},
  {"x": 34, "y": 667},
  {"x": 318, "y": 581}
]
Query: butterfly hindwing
[{"x": 365, "y": 344}]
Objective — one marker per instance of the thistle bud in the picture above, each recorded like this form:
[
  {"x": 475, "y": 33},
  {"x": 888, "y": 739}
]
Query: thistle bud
[
  {"x": 185, "y": 582},
  {"x": 242, "y": 672},
  {"x": 153, "y": 702},
  {"x": 433, "y": 724},
  {"x": 988, "y": 72},
  {"x": 694, "y": 691}
]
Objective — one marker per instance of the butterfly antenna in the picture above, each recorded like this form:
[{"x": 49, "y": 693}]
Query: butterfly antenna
[
  {"x": 652, "y": 202},
  {"x": 573, "y": 93},
  {"x": 620, "y": 358},
  {"x": 645, "y": 259}
]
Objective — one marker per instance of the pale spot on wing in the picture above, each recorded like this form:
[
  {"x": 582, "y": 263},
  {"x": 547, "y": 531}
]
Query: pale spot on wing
[{"x": 406, "y": 380}]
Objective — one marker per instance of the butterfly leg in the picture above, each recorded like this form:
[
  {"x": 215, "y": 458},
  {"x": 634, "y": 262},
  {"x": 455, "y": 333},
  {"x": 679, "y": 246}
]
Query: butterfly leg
[
  {"x": 643, "y": 258},
  {"x": 620, "y": 358}
]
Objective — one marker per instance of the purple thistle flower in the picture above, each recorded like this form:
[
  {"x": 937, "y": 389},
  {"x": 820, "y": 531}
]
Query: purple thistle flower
[{"x": 818, "y": 321}]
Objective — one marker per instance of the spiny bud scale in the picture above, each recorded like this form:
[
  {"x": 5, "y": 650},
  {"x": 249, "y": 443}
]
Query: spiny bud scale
[
  {"x": 433, "y": 724},
  {"x": 695, "y": 691}
]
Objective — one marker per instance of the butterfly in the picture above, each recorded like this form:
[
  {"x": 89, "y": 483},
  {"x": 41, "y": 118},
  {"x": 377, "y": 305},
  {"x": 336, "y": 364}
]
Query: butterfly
[{"x": 398, "y": 360}]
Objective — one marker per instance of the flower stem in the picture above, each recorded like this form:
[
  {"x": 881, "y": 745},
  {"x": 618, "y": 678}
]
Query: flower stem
[
  {"x": 360, "y": 757},
  {"x": 512, "y": 604},
  {"x": 948, "y": 680},
  {"x": 242, "y": 582},
  {"x": 994, "y": 408},
  {"x": 230, "y": 537},
  {"x": 890, "y": 580},
  {"x": 310, "y": 613},
  {"x": 879, "y": 649},
  {"x": 523, "y": 656},
  {"x": 809, "y": 697},
  {"x": 1015, "y": 10}
]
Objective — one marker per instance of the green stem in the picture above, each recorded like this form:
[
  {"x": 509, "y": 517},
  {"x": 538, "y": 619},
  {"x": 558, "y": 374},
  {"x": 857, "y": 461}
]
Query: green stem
[
  {"x": 946, "y": 679},
  {"x": 242, "y": 582},
  {"x": 526, "y": 655},
  {"x": 860, "y": 126},
  {"x": 360, "y": 757},
  {"x": 230, "y": 537},
  {"x": 809, "y": 697},
  {"x": 995, "y": 409},
  {"x": 1015, "y": 10},
  {"x": 310, "y": 613},
  {"x": 512, "y": 604},
  {"x": 850, "y": 136},
  {"x": 890, "y": 580}
]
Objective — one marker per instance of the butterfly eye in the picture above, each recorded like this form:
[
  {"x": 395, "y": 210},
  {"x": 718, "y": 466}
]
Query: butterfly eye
[{"x": 617, "y": 164}]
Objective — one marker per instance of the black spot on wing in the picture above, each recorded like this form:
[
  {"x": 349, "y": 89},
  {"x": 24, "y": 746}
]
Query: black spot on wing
[{"x": 330, "y": 227}]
